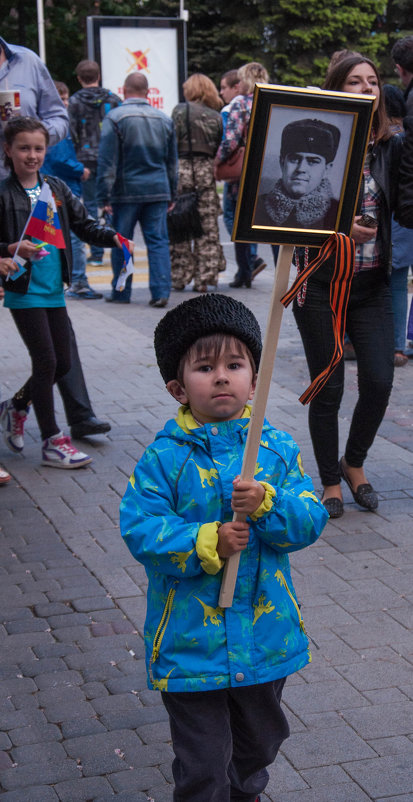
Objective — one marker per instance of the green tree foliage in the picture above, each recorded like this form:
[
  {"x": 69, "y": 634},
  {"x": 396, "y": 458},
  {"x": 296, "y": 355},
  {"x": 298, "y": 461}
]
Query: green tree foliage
[
  {"x": 301, "y": 35},
  {"x": 221, "y": 35},
  {"x": 294, "y": 39}
]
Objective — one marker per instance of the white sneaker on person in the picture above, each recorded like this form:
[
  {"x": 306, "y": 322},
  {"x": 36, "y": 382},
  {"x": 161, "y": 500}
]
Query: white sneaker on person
[
  {"x": 12, "y": 422},
  {"x": 58, "y": 452}
]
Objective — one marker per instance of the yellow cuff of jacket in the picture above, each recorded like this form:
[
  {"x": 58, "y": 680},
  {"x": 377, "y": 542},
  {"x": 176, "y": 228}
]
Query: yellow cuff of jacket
[
  {"x": 266, "y": 503},
  {"x": 206, "y": 548}
]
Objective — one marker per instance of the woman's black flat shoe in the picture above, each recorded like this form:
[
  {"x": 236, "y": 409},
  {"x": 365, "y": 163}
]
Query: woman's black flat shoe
[
  {"x": 334, "y": 507},
  {"x": 364, "y": 494}
]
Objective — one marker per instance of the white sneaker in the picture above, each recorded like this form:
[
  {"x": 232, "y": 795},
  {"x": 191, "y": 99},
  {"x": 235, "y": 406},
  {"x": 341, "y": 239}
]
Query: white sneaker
[
  {"x": 58, "y": 452},
  {"x": 12, "y": 423}
]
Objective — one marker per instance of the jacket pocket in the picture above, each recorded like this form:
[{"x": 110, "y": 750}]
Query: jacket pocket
[
  {"x": 162, "y": 626},
  {"x": 282, "y": 580}
]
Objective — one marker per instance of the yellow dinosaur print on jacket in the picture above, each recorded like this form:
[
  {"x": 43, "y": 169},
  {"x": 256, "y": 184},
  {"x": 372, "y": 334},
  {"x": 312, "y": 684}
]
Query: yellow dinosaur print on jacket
[
  {"x": 162, "y": 684},
  {"x": 260, "y": 608},
  {"x": 180, "y": 557},
  {"x": 205, "y": 475},
  {"x": 307, "y": 494},
  {"x": 211, "y": 612}
]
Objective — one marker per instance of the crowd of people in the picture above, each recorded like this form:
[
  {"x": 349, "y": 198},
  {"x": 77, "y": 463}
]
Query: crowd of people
[{"x": 130, "y": 161}]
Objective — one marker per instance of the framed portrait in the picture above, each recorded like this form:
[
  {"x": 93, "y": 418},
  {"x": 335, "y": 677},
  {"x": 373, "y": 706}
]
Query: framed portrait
[{"x": 303, "y": 165}]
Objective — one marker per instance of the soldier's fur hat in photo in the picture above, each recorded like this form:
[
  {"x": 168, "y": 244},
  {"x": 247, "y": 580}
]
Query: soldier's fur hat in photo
[{"x": 310, "y": 136}]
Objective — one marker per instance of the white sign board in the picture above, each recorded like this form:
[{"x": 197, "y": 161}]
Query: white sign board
[{"x": 152, "y": 51}]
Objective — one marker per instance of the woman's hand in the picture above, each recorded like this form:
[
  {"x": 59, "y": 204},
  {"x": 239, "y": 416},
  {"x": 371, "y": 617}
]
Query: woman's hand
[
  {"x": 362, "y": 234},
  {"x": 7, "y": 266},
  {"x": 27, "y": 249}
]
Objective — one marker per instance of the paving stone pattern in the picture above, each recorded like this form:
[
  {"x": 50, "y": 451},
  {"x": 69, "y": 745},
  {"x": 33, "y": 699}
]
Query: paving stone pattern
[{"x": 77, "y": 722}]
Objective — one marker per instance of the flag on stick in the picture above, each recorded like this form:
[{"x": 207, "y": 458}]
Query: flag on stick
[
  {"x": 127, "y": 267},
  {"x": 44, "y": 221}
]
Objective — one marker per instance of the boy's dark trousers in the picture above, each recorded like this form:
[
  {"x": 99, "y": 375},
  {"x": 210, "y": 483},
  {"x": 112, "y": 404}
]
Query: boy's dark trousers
[{"x": 223, "y": 740}]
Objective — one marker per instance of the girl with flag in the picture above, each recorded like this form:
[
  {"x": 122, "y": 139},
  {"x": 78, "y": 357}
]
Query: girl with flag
[{"x": 45, "y": 209}]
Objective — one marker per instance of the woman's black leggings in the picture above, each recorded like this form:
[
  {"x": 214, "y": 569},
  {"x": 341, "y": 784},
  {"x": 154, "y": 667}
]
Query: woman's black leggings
[
  {"x": 370, "y": 328},
  {"x": 46, "y": 334}
]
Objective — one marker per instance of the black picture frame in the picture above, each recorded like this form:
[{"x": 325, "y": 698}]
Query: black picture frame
[{"x": 264, "y": 213}]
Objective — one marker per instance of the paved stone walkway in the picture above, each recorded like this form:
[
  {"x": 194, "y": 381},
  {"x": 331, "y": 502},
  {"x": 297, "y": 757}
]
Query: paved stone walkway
[{"x": 76, "y": 720}]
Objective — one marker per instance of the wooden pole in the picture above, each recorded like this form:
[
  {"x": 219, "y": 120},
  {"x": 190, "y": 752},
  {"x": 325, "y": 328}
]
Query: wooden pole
[{"x": 282, "y": 272}]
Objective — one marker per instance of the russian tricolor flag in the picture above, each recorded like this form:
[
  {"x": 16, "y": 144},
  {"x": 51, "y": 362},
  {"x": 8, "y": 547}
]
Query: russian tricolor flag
[
  {"x": 127, "y": 267},
  {"x": 44, "y": 223}
]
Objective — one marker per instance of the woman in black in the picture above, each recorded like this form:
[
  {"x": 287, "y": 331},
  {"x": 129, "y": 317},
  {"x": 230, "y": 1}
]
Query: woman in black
[{"x": 369, "y": 315}]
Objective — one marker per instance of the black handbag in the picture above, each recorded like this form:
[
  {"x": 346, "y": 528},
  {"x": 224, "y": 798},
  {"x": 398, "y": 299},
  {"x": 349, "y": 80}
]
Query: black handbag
[{"x": 184, "y": 221}]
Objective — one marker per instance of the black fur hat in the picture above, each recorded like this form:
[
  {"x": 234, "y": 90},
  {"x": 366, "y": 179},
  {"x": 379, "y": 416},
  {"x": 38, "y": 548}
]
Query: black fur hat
[
  {"x": 199, "y": 317},
  {"x": 310, "y": 136}
]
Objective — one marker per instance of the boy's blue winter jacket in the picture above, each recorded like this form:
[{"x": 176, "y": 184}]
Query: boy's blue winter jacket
[{"x": 178, "y": 494}]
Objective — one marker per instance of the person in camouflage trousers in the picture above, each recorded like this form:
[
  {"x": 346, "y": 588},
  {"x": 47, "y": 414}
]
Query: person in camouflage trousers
[{"x": 201, "y": 259}]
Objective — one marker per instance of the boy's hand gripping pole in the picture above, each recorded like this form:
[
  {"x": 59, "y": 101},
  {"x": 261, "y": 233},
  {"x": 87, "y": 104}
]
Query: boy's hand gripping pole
[{"x": 282, "y": 272}]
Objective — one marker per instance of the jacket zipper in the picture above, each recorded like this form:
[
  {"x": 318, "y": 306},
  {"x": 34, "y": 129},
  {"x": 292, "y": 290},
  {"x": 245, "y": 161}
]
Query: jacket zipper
[
  {"x": 160, "y": 632},
  {"x": 281, "y": 578}
]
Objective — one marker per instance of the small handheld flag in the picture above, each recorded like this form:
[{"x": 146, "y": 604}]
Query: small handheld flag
[
  {"x": 44, "y": 221},
  {"x": 127, "y": 267}
]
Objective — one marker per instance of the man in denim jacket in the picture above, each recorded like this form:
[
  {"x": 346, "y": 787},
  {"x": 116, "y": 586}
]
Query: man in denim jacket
[{"x": 136, "y": 181}]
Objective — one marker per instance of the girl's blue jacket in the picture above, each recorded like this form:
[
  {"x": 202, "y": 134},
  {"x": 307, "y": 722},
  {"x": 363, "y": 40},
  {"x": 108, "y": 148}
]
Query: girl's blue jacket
[{"x": 176, "y": 498}]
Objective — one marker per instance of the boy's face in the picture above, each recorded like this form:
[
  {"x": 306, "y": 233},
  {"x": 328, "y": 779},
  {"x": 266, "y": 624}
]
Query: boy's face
[{"x": 216, "y": 387}]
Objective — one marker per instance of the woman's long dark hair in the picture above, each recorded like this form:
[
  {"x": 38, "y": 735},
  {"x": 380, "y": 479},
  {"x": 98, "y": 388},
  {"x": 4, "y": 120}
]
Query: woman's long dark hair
[{"x": 336, "y": 78}]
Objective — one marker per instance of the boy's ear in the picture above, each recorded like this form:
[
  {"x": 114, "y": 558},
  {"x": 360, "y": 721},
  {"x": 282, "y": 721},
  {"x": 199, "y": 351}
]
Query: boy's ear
[
  {"x": 177, "y": 391},
  {"x": 253, "y": 386}
]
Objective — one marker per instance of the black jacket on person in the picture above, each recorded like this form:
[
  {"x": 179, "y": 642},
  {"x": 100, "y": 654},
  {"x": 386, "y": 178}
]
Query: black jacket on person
[
  {"x": 384, "y": 167},
  {"x": 87, "y": 109},
  {"x": 15, "y": 208},
  {"x": 404, "y": 213}
]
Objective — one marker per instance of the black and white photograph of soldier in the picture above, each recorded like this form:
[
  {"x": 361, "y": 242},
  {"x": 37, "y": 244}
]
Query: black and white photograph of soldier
[{"x": 303, "y": 170}]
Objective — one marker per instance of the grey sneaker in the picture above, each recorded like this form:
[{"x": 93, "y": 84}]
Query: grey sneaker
[{"x": 12, "y": 422}]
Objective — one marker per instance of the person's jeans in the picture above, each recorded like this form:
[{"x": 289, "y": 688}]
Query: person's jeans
[
  {"x": 228, "y": 208},
  {"x": 89, "y": 199},
  {"x": 79, "y": 277},
  {"x": 398, "y": 284},
  {"x": 370, "y": 328},
  {"x": 152, "y": 219}
]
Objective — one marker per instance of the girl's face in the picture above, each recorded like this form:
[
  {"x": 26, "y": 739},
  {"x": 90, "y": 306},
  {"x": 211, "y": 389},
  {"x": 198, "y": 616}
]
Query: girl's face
[
  {"x": 27, "y": 152},
  {"x": 363, "y": 80}
]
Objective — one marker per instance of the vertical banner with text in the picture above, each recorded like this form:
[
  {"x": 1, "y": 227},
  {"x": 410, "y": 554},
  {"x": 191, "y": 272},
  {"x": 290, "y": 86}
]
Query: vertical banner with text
[{"x": 155, "y": 47}]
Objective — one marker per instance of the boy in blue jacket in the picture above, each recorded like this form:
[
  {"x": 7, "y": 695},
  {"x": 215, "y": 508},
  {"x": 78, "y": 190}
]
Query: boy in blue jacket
[{"x": 221, "y": 672}]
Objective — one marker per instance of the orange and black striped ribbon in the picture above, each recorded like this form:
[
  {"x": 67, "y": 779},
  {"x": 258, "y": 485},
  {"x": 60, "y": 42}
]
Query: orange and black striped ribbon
[{"x": 345, "y": 249}]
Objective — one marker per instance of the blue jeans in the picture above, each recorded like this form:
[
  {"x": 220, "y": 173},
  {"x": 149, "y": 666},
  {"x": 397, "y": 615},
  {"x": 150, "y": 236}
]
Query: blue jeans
[
  {"x": 79, "y": 276},
  {"x": 370, "y": 328},
  {"x": 89, "y": 199},
  {"x": 398, "y": 285},
  {"x": 228, "y": 209},
  {"x": 245, "y": 254},
  {"x": 152, "y": 219}
]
